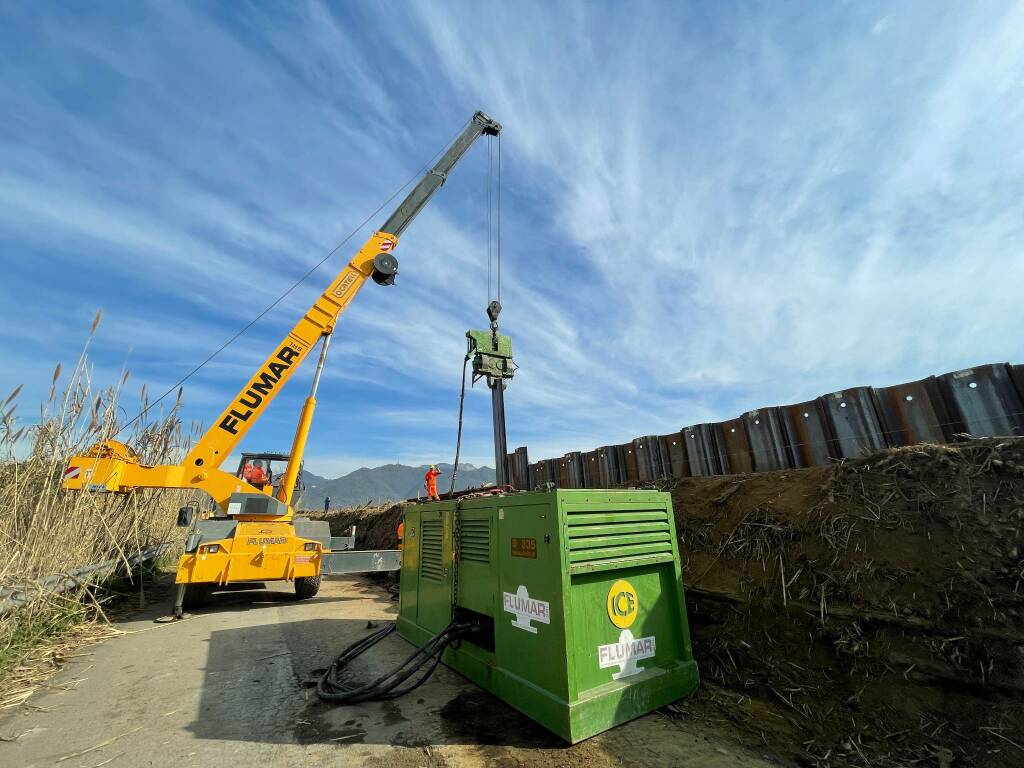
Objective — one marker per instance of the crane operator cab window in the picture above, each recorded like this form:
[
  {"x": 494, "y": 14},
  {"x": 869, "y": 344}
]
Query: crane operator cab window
[{"x": 265, "y": 472}]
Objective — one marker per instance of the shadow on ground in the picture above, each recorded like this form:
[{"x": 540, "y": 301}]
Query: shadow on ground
[{"x": 259, "y": 686}]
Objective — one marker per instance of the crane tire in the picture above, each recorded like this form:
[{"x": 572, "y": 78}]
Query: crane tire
[
  {"x": 196, "y": 595},
  {"x": 307, "y": 587}
]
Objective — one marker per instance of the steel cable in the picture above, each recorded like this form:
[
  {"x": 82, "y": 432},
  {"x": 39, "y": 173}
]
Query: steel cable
[{"x": 499, "y": 217}]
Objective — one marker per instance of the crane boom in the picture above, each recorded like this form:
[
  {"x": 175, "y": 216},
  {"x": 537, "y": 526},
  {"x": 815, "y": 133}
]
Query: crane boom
[{"x": 111, "y": 465}]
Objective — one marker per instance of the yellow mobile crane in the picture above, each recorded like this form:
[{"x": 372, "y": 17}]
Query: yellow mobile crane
[{"x": 253, "y": 536}]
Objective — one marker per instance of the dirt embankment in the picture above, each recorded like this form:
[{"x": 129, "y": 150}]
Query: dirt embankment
[
  {"x": 869, "y": 613},
  {"x": 376, "y": 527}
]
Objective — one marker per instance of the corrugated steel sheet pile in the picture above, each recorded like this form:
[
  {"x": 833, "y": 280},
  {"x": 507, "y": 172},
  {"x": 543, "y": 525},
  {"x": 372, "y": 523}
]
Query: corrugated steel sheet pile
[{"x": 985, "y": 401}]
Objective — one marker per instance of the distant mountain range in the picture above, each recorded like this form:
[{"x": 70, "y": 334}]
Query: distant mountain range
[{"x": 390, "y": 482}]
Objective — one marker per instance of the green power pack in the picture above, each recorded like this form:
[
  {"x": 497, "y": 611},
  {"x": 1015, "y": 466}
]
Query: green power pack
[{"x": 578, "y": 594}]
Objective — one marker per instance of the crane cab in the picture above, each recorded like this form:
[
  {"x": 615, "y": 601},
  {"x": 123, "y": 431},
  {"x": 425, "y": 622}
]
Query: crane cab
[{"x": 264, "y": 471}]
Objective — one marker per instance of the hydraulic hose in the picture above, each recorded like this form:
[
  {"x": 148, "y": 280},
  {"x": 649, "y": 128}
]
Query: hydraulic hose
[
  {"x": 458, "y": 438},
  {"x": 423, "y": 660}
]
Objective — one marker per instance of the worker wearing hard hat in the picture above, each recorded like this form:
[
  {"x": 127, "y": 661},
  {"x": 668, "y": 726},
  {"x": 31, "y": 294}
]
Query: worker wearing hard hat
[{"x": 430, "y": 479}]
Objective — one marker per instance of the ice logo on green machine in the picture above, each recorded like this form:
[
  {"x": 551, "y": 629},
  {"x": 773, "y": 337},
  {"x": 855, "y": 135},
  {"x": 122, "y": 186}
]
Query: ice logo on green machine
[
  {"x": 526, "y": 609},
  {"x": 625, "y": 654}
]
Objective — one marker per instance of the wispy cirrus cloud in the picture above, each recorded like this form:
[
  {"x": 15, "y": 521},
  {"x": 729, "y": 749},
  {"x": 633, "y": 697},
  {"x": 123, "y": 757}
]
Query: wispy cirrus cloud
[{"x": 706, "y": 210}]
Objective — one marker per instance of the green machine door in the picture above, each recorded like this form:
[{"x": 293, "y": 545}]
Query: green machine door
[{"x": 434, "y": 607}]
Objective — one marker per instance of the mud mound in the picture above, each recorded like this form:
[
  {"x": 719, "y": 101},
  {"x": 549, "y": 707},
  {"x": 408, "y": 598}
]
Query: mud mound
[
  {"x": 867, "y": 613},
  {"x": 376, "y": 527}
]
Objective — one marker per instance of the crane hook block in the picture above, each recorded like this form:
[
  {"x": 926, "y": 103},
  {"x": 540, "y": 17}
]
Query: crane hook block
[{"x": 385, "y": 267}]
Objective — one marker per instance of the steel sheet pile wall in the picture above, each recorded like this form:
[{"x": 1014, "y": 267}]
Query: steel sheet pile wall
[
  {"x": 737, "y": 445},
  {"x": 518, "y": 463},
  {"x": 628, "y": 458},
  {"x": 913, "y": 413},
  {"x": 807, "y": 433},
  {"x": 574, "y": 469},
  {"x": 591, "y": 471},
  {"x": 853, "y": 421},
  {"x": 610, "y": 471},
  {"x": 652, "y": 458},
  {"x": 705, "y": 450},
  {"x": 984, "y": 401},
  {"x": 676, "y": 452},
  {"x": 768, "y": 448},
  {"x": 1017, "y": 375}
]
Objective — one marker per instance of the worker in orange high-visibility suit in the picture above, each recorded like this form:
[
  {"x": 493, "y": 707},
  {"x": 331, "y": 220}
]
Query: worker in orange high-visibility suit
[
  {"x": 255, "y": 475},
  {"x": 430, "y": 478}
]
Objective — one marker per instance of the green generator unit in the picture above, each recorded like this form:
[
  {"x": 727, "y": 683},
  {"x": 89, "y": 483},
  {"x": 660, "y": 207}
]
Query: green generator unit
[{"x": 578, "y": 594}]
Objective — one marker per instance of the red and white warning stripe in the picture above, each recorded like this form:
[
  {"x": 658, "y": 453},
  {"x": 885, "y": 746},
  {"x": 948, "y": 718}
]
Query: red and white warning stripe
[
  {"x": 387, "y": 245},
  {"x": 72, "y": 472}
]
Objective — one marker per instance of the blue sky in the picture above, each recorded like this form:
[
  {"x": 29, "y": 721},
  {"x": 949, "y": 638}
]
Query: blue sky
[{"x": 708, "y": 207}]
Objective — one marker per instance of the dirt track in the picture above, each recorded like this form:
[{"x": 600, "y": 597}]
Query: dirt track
[{"x": 227, "y": 688}]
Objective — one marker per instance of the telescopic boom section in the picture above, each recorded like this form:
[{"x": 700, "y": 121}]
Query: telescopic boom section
[
  {"x": 479, "y": 125},
  {"x": 106, "y": 466}
]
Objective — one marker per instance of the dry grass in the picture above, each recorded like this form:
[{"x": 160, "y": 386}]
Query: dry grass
[{"x": 45, "y": 530}]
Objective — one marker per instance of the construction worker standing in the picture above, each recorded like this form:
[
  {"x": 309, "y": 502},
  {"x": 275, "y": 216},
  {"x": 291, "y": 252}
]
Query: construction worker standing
[
  {"x": 327, "y": 505},
  {"x": 430, "y": 479}
]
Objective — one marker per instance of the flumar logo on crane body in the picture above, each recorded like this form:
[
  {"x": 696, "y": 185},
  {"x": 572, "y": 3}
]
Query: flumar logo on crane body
[{"x": 262, "y": 385}]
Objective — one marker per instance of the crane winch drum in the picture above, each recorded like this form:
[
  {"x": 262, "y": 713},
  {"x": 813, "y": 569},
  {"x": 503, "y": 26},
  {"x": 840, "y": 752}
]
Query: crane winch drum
[{"x": 578, "y": 595}]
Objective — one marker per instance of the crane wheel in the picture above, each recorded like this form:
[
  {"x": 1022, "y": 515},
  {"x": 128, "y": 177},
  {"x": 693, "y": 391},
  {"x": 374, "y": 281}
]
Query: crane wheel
[
  {"x": 306, "y": 587},
  {"x": 196, "y": 595}
]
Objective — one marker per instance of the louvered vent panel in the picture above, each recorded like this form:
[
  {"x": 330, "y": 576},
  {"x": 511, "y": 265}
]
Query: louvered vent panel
[
  {"x": 475, "y": 540},
  {"x": 615, "y": 535},
  {"x": 431, "y": 559}
]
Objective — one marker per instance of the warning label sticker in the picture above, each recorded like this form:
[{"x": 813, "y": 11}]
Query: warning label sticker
[{"x": 625, "y": 654}]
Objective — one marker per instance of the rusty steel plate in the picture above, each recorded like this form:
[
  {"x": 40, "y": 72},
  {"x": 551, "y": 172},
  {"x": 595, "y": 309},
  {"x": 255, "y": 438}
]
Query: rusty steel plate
[
  {"x": 676, "y": 452},
  {"x": 627, "y": 457},
  {"x": 767, "y": 439},
  {"x": 705, "y": 450},
  {"x": 854, "y": 422},
  {"x": 983, "y": 401},
  {"x": 608, "y": 465},
  {"x": 808, "y": 436},
  {"x": 737, "y": 445},
  {"x": 913, "y": 413}
]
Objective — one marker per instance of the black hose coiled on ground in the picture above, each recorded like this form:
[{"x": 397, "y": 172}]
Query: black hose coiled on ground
[{"x": 331, "y": 689}]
